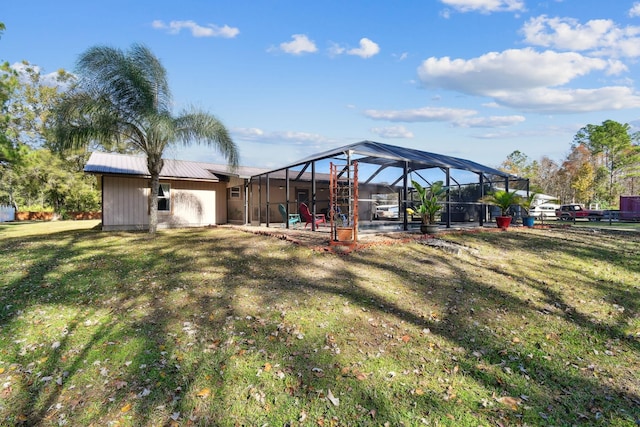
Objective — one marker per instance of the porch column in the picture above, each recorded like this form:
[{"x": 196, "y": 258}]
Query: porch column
[
  {"x": 313, "y": 196},
  {"x": 247, "y": 186},
  {"x": 286, "y": 195},
  {"x": 405, "y": 195},
  {"x": 482, "y": 206},
  {"x": 268, "y": 200},
  {"x": 259, "y": 200},
  {"x": 448, "y": 211}
]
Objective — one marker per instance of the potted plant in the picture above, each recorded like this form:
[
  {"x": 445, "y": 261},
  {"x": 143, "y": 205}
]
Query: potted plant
[
  {"x": 429, "y": 205},
  {"x": 525, "y": 203},
  {"x": 504, "y": 200}
]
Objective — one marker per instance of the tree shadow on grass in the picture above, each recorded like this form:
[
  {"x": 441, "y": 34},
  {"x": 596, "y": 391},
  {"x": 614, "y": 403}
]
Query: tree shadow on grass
[{"x": 229, "y": 312}]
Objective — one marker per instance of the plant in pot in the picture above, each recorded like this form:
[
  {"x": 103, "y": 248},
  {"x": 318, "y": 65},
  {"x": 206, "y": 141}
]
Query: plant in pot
[
  {"x": 526, "y": 203},
  {"x": 504, "y": 200},
  {"x": 429, "y": 205}
]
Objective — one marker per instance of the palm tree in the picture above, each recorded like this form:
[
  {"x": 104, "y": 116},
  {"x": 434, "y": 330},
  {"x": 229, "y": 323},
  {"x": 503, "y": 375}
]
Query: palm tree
[
  {"x": 502, "y": 199},
  {"x": 124, "y": 98}
]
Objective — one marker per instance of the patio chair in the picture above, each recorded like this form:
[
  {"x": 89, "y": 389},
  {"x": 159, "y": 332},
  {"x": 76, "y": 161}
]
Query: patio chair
[
  {"x": 308, "y": 218},
  {"x": 339, "y": 217},
  {"x": 292, "y": 218}
]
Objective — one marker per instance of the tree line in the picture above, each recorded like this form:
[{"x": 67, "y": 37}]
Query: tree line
[{"x": 603, "y": 163}]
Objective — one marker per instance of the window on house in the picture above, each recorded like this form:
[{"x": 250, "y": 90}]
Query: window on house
[
  {"x": 234, "y": 192},
  {"x": 164, "y": 197}
]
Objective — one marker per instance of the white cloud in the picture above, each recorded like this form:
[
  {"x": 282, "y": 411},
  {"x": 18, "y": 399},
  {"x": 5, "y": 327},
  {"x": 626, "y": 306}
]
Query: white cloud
[
  {"x": 457, "y": 117},
  {"x": 335, "y": 49},
  {"x": 485, "y": 6},
  {"x": 210, "y": 30},
  {"x": 249, "y": 133},
  {"x": 393, "y": 132},
  {"x": 635, "y": 10},
  {"x": 425, "y": 114},
  {"x": 498, "y": 73},
  {"x": 600, "y": 36},
  {"x": 280, "y": 137},
  {"x": 490, "y": 121},
  {"x": 401, "y": 57},
  {"x": 530, "y": 81},
  {"x": 367, "y": 49},
  {"x": 545, "y": 100},
  {"x": 299, "y": 45},
  {"x": 25, "y": 70}
]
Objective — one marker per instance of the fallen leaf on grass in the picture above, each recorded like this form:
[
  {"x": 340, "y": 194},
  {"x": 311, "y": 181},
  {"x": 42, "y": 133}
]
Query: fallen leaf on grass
[
  {"x": 405, "y": 338},
  {"x": 509, "y": 401},
  {"x": 334, "y": 400},
  {"x": 126, "y": 408},
  {"x": 204, "y": 393}
]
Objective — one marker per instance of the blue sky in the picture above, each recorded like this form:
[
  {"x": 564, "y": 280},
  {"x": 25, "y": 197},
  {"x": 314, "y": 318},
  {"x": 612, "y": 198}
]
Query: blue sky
[{"x": 475, "y": 79}]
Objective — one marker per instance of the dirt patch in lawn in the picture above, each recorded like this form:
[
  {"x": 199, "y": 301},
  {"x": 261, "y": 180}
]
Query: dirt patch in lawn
[{"x": 321, "y": 239}]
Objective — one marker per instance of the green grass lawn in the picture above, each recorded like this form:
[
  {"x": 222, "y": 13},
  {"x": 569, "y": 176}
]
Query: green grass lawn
[{"x": 223, "y": 327}]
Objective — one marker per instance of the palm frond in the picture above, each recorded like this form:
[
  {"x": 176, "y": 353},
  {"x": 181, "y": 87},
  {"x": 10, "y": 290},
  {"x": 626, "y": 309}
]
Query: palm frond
[
  {"x": 135, "y": 81},
  {"x": 204, "y": 128}
]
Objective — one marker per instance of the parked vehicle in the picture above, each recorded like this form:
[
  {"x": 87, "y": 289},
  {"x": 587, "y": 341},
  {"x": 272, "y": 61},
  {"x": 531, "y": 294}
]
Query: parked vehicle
[
  {"x": 544, "y": 210},
  {"x": 630, "y": 208},
  {"x": 575, "y": 211},
  {"x": 387, "y": 212}
]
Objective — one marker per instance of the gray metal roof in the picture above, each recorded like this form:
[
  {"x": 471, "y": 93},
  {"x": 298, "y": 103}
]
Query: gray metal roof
[
  {"x": 122, "y": 164},
  {"x": 393, "y": 156}
]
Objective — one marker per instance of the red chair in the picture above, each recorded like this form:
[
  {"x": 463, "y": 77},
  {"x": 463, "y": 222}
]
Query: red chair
[{"x": 308, "y": 218}]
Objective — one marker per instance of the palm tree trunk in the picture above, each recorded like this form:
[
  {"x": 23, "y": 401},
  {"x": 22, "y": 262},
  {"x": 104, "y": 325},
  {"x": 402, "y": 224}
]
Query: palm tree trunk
[
  {"x": 154, "y": 164},
  {"x": 153, "y": 203}
]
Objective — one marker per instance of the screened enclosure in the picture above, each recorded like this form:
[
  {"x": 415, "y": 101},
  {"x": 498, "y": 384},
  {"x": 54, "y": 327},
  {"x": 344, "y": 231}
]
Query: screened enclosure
[{"x": 386, "y": 173}]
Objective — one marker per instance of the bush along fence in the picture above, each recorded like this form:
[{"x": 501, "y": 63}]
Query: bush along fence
[
  {"x": 48, "y": 216},
  {"x": 7, "y": 213}
]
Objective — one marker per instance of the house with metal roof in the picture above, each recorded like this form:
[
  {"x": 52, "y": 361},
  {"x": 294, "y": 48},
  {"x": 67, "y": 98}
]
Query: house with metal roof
[
  {"x": 192, "y": 194},
  {"x": 195, "y": 194}
]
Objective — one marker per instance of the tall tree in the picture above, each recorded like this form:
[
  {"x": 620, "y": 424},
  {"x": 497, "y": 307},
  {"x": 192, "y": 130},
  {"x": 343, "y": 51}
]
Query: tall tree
[
  {"x": 611, "y": 144},
  {"x": 578, "y": 176},
  {"x": 548, "y": 178},
  {"x": 125, "y": 97},
  {"x": 9, "y": 149},
  {"x": 518, "y": 163},
  {"x": 32, "y": 104}
]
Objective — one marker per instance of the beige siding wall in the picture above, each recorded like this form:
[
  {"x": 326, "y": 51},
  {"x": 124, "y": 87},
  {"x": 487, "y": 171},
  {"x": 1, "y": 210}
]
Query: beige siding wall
[
  {"x": 193, "y": 204},
  {"x": 124, "y": 204}
]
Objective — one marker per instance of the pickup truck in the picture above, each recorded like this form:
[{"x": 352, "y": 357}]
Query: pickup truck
[{"x": 575, "y": 211}]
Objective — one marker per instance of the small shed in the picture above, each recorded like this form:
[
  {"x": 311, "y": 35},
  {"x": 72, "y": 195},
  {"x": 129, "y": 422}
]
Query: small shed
[{"x": 191, "y": 194}]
